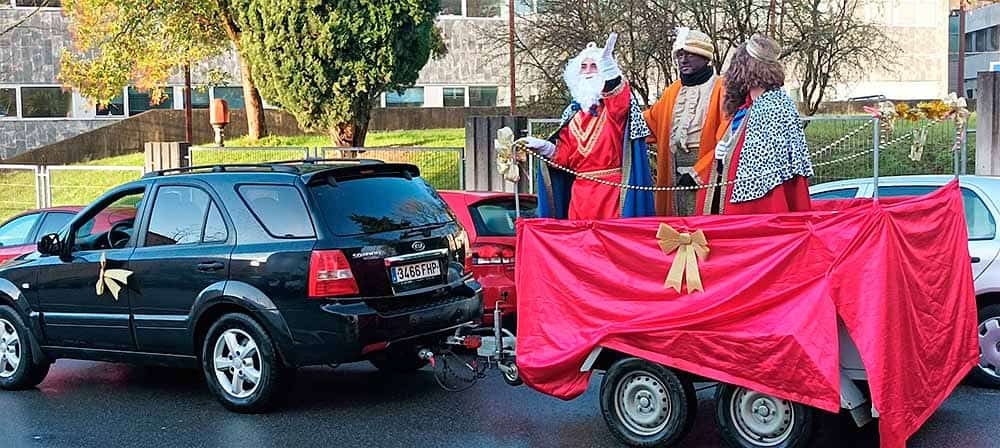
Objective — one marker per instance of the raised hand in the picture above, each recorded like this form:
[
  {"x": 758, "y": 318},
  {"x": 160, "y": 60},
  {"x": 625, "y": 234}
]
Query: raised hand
[{"x": 608, "y": 64}]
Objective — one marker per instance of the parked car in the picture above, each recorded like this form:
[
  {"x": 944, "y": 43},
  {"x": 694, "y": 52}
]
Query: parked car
[
  {"x": 982, "y": 206},
  {"x": 489, "y": 217},
  {"x": 247, "y": 272},
  {"x": 20, "y": 234}
]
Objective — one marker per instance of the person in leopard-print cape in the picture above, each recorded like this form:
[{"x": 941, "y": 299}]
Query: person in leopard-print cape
[{"x": 763, "y": 157}]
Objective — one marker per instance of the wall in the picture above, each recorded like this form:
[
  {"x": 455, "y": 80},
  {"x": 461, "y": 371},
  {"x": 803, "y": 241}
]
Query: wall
[
  {"x": 18, "y": 136},
  {"x": 128, "y": 136},
  {"x": 428, "y": 117}
]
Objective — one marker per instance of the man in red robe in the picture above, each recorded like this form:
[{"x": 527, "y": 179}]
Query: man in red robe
[
  {"x": 763, "y": 157},
  {"x": 598, "y": 141}
]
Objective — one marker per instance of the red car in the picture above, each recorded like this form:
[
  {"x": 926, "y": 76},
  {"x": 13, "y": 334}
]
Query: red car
[
  {"x": 19, "y": 235},
  {"x": 488, "y": 217}
]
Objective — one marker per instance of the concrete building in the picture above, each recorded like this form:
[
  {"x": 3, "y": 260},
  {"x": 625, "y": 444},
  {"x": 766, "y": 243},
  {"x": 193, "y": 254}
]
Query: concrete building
[
  {"x": 35, "y": 110},
  {"x": 982, "y": 45}
]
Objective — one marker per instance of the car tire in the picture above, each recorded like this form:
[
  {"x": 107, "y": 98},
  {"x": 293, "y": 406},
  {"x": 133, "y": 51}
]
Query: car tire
[
  {"x": 398, "y": 359},
  {"x": 242, "y": 367},
  {"x": 646, "y": 404},
  {"x": 18, "y": 367},
  {"x": 778, "y": 424},
  {"x": 987, "y": 372}
]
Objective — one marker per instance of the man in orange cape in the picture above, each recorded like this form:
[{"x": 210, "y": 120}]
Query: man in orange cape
[{"x": 687, "y": 122}]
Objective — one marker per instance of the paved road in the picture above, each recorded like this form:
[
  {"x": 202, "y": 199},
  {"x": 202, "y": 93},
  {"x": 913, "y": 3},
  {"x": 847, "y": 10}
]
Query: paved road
[{"x": 85, "y": 404}]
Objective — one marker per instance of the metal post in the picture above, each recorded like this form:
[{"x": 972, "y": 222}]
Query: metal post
[
  {"x": 965, "y": 151},
  {"x": 876, "y": 141},
  {"x": 461, "y": 168}
]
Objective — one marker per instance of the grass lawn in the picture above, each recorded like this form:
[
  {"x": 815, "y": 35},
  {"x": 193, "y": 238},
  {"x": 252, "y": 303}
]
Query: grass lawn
[
  {"x": 440, "y": 168},
  {"x": 439, "y": 138}
]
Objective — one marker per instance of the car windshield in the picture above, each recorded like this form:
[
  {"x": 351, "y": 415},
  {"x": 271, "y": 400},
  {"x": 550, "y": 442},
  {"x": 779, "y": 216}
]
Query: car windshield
[{"x": 379, "y": 204}]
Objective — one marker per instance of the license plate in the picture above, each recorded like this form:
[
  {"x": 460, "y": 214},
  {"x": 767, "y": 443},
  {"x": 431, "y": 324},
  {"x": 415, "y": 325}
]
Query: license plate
[{"x": 416, "y": 271}]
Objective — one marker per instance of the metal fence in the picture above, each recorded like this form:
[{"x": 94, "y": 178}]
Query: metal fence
[
  {"x": 441, "y": 167},
  {"x": 843, "y": 147},
  {"x": 26, "y": 187}
]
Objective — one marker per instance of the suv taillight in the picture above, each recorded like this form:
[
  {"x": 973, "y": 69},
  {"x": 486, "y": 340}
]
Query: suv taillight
[
  {"x": 492, "y": 254},
  {"x": 330, "y": 275},
  {"x": 462, "y": 242}
]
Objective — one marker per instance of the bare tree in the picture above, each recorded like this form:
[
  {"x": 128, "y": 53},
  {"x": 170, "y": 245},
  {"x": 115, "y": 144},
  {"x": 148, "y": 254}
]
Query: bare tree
[
  {"x": 6, "y": 28},
  {"x": 826, "y": 42},
  {"x": 545, "y": 42}
]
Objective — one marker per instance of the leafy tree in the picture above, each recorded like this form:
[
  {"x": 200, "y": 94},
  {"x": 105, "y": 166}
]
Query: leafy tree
[
  {"x": 327, "y": 61},
  {"x": 116, "y": 42}
]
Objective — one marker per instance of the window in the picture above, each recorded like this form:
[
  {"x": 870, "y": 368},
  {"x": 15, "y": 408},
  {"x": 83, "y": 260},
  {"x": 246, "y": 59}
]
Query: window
[
  {"x": 541, "y": 6},
  {"x": 45, "y": 102},
  {"x": 119, "y": 214},
  {"x": 980, "y": 41},
  {"x": 523, "y": 7},
  {"x": 980, "y": 222},
  {"x": 114, "y": 109},
  {"x": 496, "y": 218},
  {"x": 993, "y": 39},
  {"x": 402, "y": 204},
  {"x": 454, "y": 97},
  {"x": 232, "y": 95},
  {"x": 53, "y": 222},
  {"x": 280, "y": 209},
  {"x": 484, "y": 8},
  {"x": 412, "y": 97},
  {"x": 139, "y": 102},
  {"x": 451, "y": 7},
  {"x": 37, "y": 3},
  {"x": 17, "y": 231},
  {"x": 844, "y": 193},
  {"x": 8, "y": 102},
  {"x": 215, "y": 227},
  {"x": 200, "y": 98},
  {"x": 178, "y": 216},
  {"x": 905, "y": 191},
  {"x": 482, "y": 96}
]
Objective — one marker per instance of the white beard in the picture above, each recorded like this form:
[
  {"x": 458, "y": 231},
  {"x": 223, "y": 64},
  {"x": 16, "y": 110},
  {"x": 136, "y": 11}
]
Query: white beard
[{"x": 587, "y": 91}]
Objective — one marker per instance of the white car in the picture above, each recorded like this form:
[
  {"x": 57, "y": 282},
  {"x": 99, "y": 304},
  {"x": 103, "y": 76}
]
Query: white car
[{"x": 982, "y": 205}]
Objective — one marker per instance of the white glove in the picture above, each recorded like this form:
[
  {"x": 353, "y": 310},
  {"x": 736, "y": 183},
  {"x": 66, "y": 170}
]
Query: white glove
[
  {"x": 543, "y": 147},
  {"x": 608, "y": 65}
]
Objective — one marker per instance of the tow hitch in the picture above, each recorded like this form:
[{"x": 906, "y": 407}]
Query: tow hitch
[{"x": 470, "y": 352}]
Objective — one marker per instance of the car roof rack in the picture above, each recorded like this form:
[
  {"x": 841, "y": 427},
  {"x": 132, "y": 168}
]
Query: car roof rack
[
  {"x": 284, "y": 166},
  {"x": 224, "y": 168},
  {"x": 334, "y": 161}
]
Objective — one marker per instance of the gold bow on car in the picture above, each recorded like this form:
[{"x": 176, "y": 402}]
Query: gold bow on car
[
  {"x": 113, "y": 279},
  {"x": 690, "y": 247}
]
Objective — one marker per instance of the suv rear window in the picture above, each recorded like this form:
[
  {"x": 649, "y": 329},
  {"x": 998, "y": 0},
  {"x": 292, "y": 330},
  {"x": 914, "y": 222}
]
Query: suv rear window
[
  {"x": 496, "y": 217},
  {"x": 280, "y": 209},
  {"x": 379, "y": 204}
]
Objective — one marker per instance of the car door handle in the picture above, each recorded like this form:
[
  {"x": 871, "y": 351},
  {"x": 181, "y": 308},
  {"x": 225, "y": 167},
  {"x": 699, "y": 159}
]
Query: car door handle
[
  {"x": 210, "y": 266},
  {"x": 975, "y": 260}
]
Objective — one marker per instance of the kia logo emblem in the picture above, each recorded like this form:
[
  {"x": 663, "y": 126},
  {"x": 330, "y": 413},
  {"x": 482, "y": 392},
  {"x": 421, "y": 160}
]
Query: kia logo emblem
[{"x": 419, "y": 245}]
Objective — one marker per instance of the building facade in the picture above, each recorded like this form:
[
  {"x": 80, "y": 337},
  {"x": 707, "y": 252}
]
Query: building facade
[
  {"x": 982, "y": 45},
  {"x": 35, "y": 110}
]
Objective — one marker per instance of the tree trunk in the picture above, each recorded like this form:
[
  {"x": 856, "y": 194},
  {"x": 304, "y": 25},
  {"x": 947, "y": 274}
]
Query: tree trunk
[{"x": 256, "y": 124}]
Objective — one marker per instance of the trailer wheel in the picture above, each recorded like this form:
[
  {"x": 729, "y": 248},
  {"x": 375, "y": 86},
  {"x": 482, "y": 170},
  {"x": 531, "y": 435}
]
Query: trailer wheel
[
  {"x": 645, "y": 404},
  {"x": 749, "y": 419}
]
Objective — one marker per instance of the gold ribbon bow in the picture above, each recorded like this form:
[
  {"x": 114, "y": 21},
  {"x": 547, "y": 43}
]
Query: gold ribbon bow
[
  {"x": 690, "y": 247},
  {"x": 112, "y": 279}
]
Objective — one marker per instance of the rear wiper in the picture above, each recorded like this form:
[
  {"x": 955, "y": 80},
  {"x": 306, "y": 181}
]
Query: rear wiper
[{"x": 422, "y": 229}]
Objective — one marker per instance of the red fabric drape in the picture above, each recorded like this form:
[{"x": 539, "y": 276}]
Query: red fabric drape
[{"x": 898, "y": 275}]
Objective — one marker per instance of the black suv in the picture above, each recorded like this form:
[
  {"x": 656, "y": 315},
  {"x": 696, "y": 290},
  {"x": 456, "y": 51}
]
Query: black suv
[{"x": 248, "y": 271}]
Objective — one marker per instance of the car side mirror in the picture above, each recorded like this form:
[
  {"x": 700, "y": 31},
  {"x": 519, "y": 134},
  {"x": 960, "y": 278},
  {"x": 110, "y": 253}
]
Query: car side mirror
[{"x": 50, "y": 245}]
